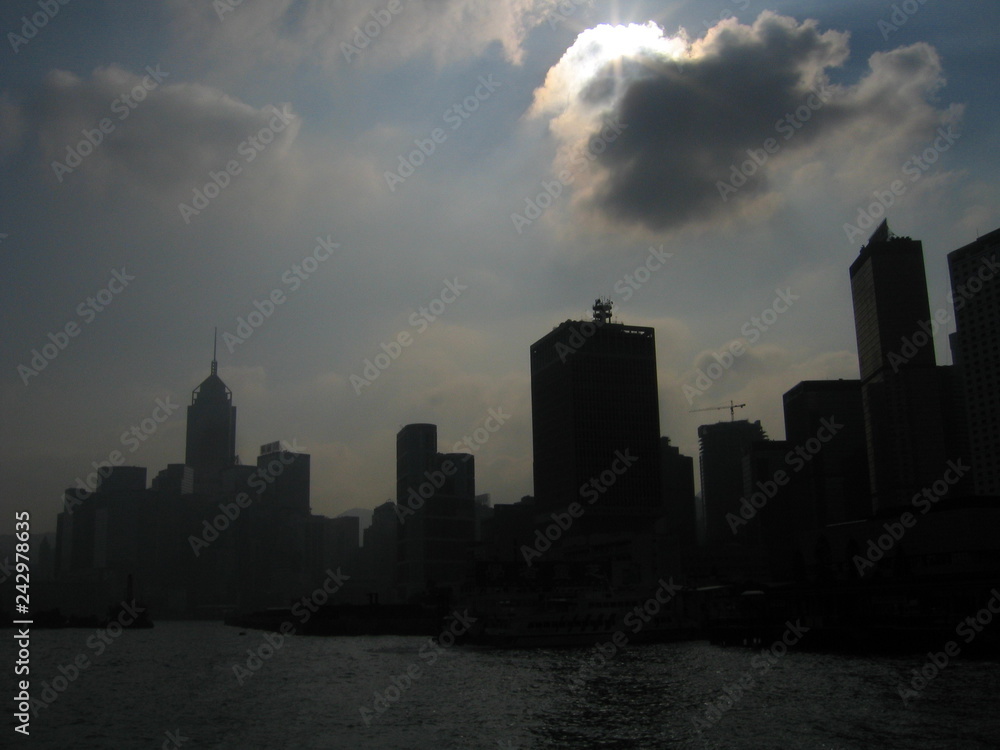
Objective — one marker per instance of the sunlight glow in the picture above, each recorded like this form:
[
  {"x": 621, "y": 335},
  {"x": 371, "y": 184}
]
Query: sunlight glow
[
  {"x": 603, "y": 44},
  {"x": 597, "y": 48}
]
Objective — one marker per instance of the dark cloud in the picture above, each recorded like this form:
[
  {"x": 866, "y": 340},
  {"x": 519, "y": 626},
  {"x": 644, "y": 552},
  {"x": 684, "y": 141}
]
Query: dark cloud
[{"x": 690, "y": 118}]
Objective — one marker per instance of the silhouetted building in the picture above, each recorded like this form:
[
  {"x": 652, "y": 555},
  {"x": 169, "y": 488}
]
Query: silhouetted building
[
  {"x": 825, "y": 420},
  {"x": 285, "y": 477},
  {"x": 435, "y": 498},
  {"x": 975, "y": 284},
  {"x": 100, "y": 539},
  {"x": 595, "y": 421},
  {"x": 176, "y": 480},
  {"x": 722, "y": 446},
  {"x": 380, "y": 552},
  {"x": 211, "y": 430},
  {"x": 677, "y": 486},
  {"x": 904, "y": 395},
  {"x": 334, "y": 543},
  {"x": 416, "y": 446}
]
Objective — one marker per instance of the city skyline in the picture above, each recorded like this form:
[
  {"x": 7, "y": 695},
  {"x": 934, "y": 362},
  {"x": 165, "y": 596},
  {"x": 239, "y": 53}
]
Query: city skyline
[{"x": 437, "y": 256}]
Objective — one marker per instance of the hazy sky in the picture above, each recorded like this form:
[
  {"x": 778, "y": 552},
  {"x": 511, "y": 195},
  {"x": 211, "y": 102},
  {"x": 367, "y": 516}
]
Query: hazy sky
[{"x": 457, "y": 177}]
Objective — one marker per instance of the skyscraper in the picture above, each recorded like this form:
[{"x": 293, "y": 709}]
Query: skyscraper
[
  {"x": 904, "y": 395},
  {"x": 211, "y": 429},
  {"x": 723, "y": 446},
  {"x": 594, "y": 400},
  {"x": 416, "y": 445},
  {"x": 435, "y": 504},
  {"x": 975, "y": 284},
  {"x": 677, "y": 486},
  {"x": 834, "y": 485},
  {"x": 287, "y": 478}
]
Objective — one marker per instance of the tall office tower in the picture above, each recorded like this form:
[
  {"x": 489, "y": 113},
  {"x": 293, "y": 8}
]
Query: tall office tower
[
  {"x": 435, "y": 497},
  {"x": 904, "y": 396},
  {"x": 284, "y": 477},
  {"x": 211, "y": 430},
  {"x": 826, "y": 420},
  {"x": 595, "y": 421},
  {"x": 975, "y": 284},
  {"x": 677, "y": 485},
  {"x": 721, "y": 464},
  {"x": 416, "y": 446}
]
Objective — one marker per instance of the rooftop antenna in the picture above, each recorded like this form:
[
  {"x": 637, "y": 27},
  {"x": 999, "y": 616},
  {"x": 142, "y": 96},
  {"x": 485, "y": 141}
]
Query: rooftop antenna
[
  {"x": 215, "y": 348},
  {"x": 602, "y": 310}
]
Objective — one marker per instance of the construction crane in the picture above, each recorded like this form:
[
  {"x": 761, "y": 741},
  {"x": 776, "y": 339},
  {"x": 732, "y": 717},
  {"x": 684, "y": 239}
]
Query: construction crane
[{"x": 731, "y": 406}]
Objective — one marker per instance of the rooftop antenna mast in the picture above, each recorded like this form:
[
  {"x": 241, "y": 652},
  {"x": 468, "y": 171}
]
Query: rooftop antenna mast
[
  {"x": 602, "y": 310},
  {"x": 215, "y": 348}
]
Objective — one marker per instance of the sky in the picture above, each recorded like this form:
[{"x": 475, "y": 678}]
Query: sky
[{"x": 382, "y": 205}]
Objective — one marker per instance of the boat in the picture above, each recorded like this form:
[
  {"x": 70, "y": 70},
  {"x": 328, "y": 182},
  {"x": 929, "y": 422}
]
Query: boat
[{"x": 577, "y": 617}]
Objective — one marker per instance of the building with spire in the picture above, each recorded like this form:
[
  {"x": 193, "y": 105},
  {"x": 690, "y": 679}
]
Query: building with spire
[{"x": 210, "y": 447}]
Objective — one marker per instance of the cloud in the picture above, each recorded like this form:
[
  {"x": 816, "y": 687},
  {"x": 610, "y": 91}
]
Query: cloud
[
  {"x": 143, "y": 129},
  {"x": 691, "y": 110},
  {"x": 330, "y": 34},
  {"x": 11, "y": 126}
]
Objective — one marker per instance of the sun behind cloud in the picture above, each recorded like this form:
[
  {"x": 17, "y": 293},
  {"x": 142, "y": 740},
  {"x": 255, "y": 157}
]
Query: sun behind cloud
[
  {"x": 597, "y": 49},
  {"x": 689, "y": 110}
]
